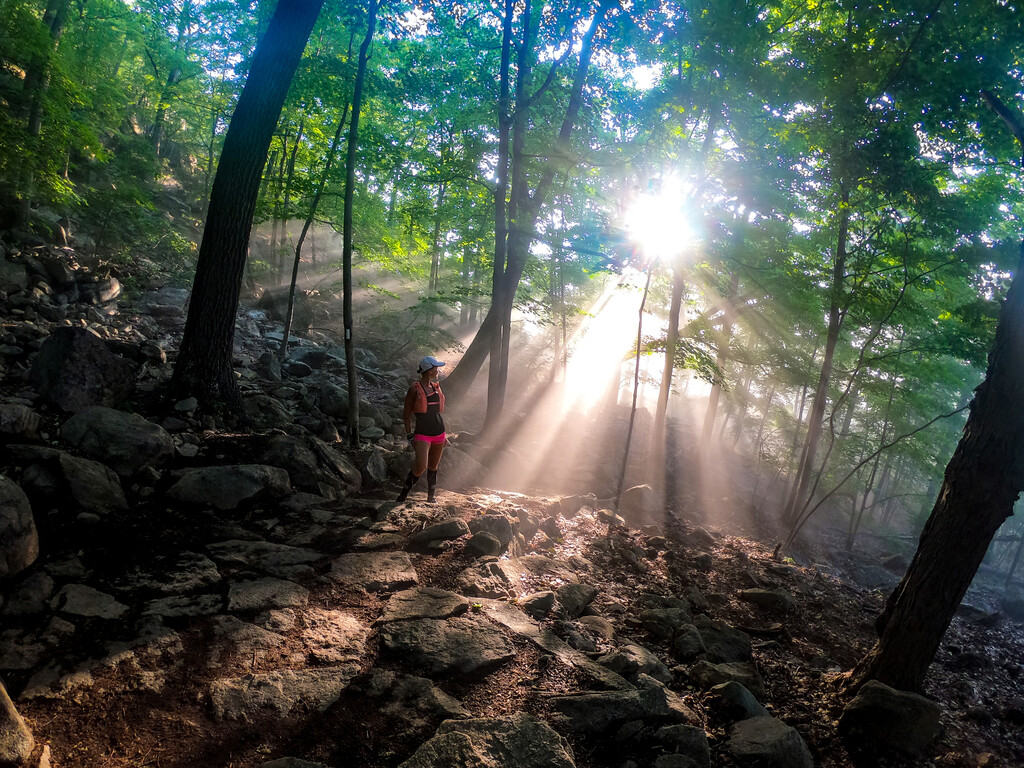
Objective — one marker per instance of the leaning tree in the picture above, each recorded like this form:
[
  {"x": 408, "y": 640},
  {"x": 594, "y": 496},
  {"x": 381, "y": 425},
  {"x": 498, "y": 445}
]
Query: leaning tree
[
  {"x": 982, "y": 482},
  {"x": 203, "y": 367}
]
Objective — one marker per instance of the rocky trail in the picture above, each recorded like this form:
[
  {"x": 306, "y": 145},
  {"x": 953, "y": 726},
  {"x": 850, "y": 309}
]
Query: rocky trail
[{"x": 179, "y": 591}]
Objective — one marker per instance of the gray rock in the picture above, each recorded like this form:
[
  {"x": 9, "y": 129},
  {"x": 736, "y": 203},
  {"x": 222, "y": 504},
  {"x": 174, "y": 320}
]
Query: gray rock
[
  {"x": 539, "y": 604},
  {"x": 297, "y": 457},
  {"x": 464, "y": 645},
  {"x": 19, "y": 540},
  {"x": 375, "y": 571},
  {"x": 445, "y": 530},
  {"x": 263, "y": 594},
  {"x": 689, "y": 742},
  {"x": 765, "y": 742},
  {"x": 29, "y": 595},
  {"x": 278, "y": 560},
  {"x": 881, "y": 719},
  {"x": 227, "y": 487},
  {"x": 178, "y": 606},
  {"x": 414, "y": 700},
  {"x": 334, "y": 637},
  {"x": 74, "y": 369},
  {"x": 641, "y": 505},
  {"x": 520, "y": 741},
  {"x": 497, "y": 525},
  {"x": 490, "y": 578},
  {"x": 94, "y": 486},
  {"x": 778, "y": 600},
  {"x": 80, "y": 600},
  {"x": 485, "y": 544},
  {"x": 732, "y": 702},
  {"x": 598, "y": 626},
  {"x": 631, "y": 660},
  {"x": 423, "y": 603},
  {"x": 688, "y": 644},
  {"x": 461, "y": 470},
  {"x": 595, "y": 713},
  {"x": 334, "y": 400},
  {"x": 705, "y": 675},
  {"x": 574, "y": 598},
  {"x": 723, "y": 642},
  {"x": 19, "y": 421},
  {"x": 281, "y": 692},
  {"x": 374, "y": 466},
  {"x": 234, "y": 638},
  {"x": 126, "y": 442},
  {"x": 13, "y": 276},
  {"x": 664, "y": 623},
  {"x": 16, "y": 740}
]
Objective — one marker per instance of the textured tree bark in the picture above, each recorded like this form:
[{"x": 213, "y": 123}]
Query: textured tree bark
[
  {"x": 982, "y": 482},
  {"x": 203, "y": 366}
]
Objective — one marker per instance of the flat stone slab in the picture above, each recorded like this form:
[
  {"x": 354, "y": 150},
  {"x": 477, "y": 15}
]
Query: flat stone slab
[
  {"x": 80, "y": 600},
  {"x": 240, "y": 698},
  {"x": 490, "y": 578},
  {"x": 515, "y": 620},
  {"x": 334, "y": 637},
  {"x": 424, "y": 603},
  {"x": 264, "y": 594},
  {"x": 706, "y": 675},
  {"x": 520, "y": 741},
  {"x": 375, "y": 571},
  {"x": 592, "y": 713},
  {"x": 278, "y": 560},
  {"x": 465, "y": 645},
  {"x": 179, "y": 606}
]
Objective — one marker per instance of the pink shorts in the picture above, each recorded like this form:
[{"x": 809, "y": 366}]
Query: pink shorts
[{"x": 435, "y": 439}]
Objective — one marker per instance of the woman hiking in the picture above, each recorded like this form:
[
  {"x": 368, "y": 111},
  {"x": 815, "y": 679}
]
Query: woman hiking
[{"x": 425, "y": 401}]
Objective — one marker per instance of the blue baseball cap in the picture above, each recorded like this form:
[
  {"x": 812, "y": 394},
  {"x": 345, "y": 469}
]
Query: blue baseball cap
[{"x": 427, "y": 363}]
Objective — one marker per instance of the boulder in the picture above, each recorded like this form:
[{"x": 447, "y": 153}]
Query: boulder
[
  {"x": 75, "y": 369},
  {"x": 688, "y": 644},
  {"x": 19, "y": 540},
  {"x": 641, "y": 505},
  {"x": 705, "y": 675},
  {"x": 766, "y": 742},
  {"x": 539, "y": 604},
  {"x": 414, "y": 700},
  {"x": 16, "y": 740},
  {"x": 279, "y": 560},
  {"x": 686, "y": 741},
  {"x": 13, "y": 276},
  {"x": 460, "y": 470},
  {"x": 497, "y": 525},
  {"x": 519, "y": 741},
  {"x": 574, "y": 599},
  {"x": 776, "y": 600},
  {"x": 126, "y": 442},
  {"x": 731, "y": 702},
  {"x": 665, "y": 623},
  {"x": 264, "y": 594},
  {"x": 723, "y": 642},
  {"x": 334, "y": 400},
  {"x": 882, "y": 720},
  {"x": 94, "y": 486},
  {"x": 446, "y": 530},
  {"x": 29, "y": 595},
  {"x": 19, "y": 421},
  {"x": 595, "y": 713},
  {"x": 631, "y": 660},
  {"x": 227, "y": 487},
  {"x": 466, "y": 645},
  {"x": 484, "y": 544}
]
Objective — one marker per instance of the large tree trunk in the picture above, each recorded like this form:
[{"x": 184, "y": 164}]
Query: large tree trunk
[
  {"x": 346, "y": 246},
  {"x": 203, "y": 367},
  {"x": 981, "y": 485}
]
